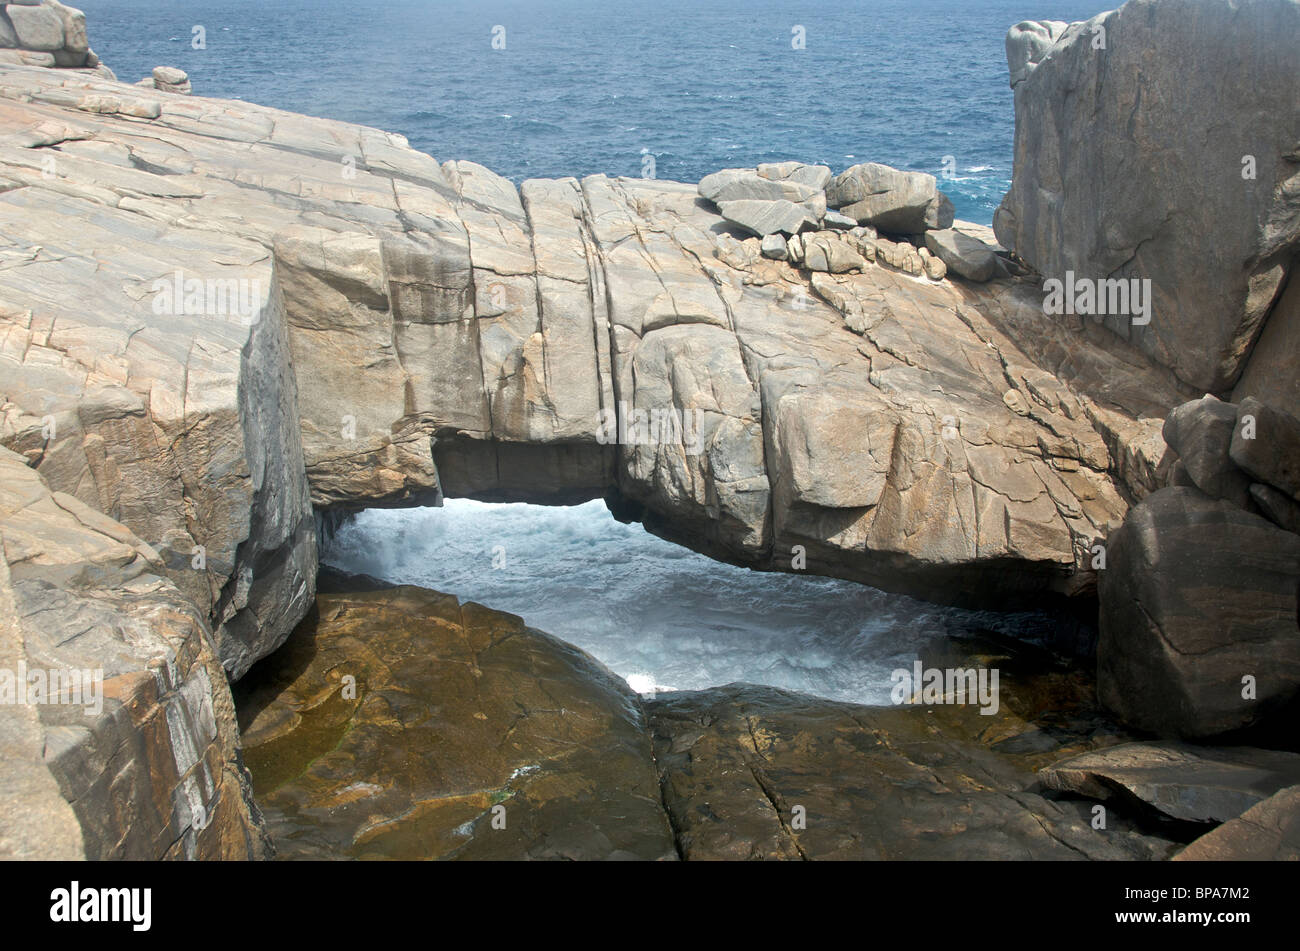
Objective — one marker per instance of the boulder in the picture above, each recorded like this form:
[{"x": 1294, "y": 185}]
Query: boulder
[
  {"x": 894, "y": 201},
  {"x": 1178, "y": 780},
  {"x": 1266, "y": 444},
  {"x": 814, "y": 176},
  {"x": 969, "y": 257},
  {"x": 492, "y": 718},
  {"x": 774, "y": 247},
  {"x": 1198, "y": 633},
  {"x": 746, "y": 185},
  {"x": 833, "y": 219},
  {"x": 1129, "y": 165},
  {"x": 37, "y": 28},
  {"x": 1266, "y": 832},
  {"x": 1027, "y": 43},
  {"x": 1200, "y": 432},
  {"x": 769, "y": 217},
  {"x": 824, "y": 251},
  {"x": 169, "y": 79}
]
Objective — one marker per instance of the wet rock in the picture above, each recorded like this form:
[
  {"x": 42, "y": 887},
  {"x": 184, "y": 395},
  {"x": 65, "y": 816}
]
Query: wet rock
[
  {"x": 754, "y": 772},
  {"x": 460, "y": 716}
]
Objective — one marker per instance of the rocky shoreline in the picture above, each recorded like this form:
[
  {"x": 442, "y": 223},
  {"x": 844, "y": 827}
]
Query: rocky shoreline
[{"x": 223, "y": 327}]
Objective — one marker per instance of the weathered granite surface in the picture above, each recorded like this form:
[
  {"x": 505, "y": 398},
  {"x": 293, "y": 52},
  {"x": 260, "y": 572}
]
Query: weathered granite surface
[
  {"x": 1161, "y": 141},
  {"x": 152, "y": 769},
  {"x": 888, "y": 424}
]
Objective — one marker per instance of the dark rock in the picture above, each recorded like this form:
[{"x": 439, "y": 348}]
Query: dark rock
[
  {"x": 1267, "y": 832},
  {"x": 1200, "y": 431},
  {"x": 457, "y": 709},
  {"x": 1197, "y": 595},
  {"x": 1181, "y": 781},
  {"x": 1272, "y": 453}
]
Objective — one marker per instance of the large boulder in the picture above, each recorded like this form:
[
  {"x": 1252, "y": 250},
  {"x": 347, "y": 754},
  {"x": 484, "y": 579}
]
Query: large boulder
[
  {"x": 1266, "y": 443},
  {"x": 37, "y": 27},
  {"x": 965, "y": 255},
  {"x": 768, "y": 217},
  {"x": 894, "y": 201},
  {"x": 140, "y": 760},
  {"x": 1198, "y": 617},
  {"x": 1140, "y": 155},
  {"x": 1200, "y": 432}
]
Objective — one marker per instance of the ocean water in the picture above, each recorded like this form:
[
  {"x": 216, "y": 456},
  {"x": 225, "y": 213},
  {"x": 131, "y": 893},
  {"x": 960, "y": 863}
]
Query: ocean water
[
  {"x": 591, "y": 86},
  {"x": 658, "y": 615}
]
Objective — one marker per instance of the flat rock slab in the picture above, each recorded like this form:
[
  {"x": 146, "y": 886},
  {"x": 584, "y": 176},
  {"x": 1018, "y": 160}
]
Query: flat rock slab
[
  {"x": 753, "y": 772},
  {"x": 1184, "y": 782},
  {"x": 1266, "y": 832},
  {"x": 457, "y": 710}
]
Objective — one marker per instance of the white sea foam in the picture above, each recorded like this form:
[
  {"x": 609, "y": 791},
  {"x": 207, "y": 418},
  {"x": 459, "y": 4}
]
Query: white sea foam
[{"x": 661, "y": 616}]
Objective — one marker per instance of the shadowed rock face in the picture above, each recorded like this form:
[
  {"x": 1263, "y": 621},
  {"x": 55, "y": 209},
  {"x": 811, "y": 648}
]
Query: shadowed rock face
[
  {"x": 1197, "y": 595},
  {"x": 150, "y": 771},
  {"x": 1181, "y": 168},
  {"x": 459, "y": 709},
  {"x": 1267, "y": 832}
]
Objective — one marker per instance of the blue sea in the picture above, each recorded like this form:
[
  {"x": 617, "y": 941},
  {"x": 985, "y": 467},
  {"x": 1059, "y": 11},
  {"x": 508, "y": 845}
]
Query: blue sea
[{"x": 587, "y": 86}]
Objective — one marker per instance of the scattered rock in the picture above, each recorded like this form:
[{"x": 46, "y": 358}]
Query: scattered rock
[
  {"x": 1181, "y": 781},
  {"x": 901, "y": 256},
  {"x": 1266, "y": 832},
  {"x": 824, "y": 251},
  {"x": 1200, "y": 432},
  {"x": 774, "y": 247},
  {"x": 899, "y": 202},
  {"x": 966, "y": 256}
]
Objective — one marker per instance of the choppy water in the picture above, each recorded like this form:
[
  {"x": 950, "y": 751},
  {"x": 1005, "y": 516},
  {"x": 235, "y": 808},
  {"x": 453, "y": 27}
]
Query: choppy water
[
  {"x": 587, "y": 86},
  {"x": 655, "y": 613}
]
